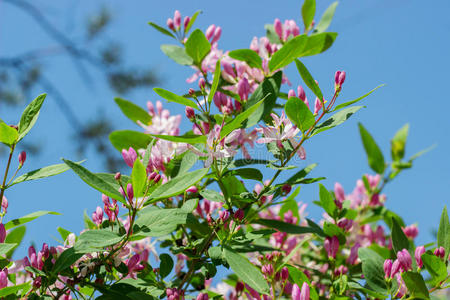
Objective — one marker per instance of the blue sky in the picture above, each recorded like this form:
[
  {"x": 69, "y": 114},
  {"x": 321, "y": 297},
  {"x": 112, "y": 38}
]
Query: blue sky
[{"x": 403, "y": 44}]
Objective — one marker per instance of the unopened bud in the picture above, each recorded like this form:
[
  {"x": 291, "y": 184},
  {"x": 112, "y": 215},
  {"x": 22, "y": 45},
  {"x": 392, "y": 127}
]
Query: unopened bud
[
  {"x": 191, "y": 92},
  {"x": 202, "y": 83},
  {"x": 117, "y": 176},
  {"x": 157, "y": 178},
  {"x": 22, "y": 158},
  {"x": 186, "y": 22},
  {"x": 286, "y": 189},
  {"x": 284, "y": 273},
  {"x": 239, "y": 214},
  {"x": 170, "y": 24},
  {"x": 190, "y": 113},
  {"x": 239, "y": 287},
  {"x": 177, "y": 19}
]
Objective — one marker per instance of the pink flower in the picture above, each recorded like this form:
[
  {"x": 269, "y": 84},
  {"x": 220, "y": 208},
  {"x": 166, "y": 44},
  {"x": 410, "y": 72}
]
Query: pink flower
[
  {"x": 418, "y": 255},
  {"x": 405, "y": 260},
  {"x": 129, "y": 156},
  {"x": 4, "y": 278},
  {"x": 2, "y": 233},
  {"x": 302, "y": 294},
  {"x": 411, "y": 231},
  {"x": 97, "y": 216},
  {"x": 331, "y": 246},
  {"x": 217, "y": 147}
]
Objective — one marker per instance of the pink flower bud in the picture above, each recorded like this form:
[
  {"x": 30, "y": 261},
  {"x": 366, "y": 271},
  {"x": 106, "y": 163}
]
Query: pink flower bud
[
  {"x": 122, "y": 192},
  {"x": 202, "y": 83},
  {"x": 210, "y": 31},
  {"x": 418, "y": 255},
  {"x": 170, "y": 24},
  {"x": 405, "y": 260},
  {"x": 345, "y": 224},
  {"x": 341, "y": 78},
  {"x": 217, "y": 34},
  {"x": 387, "y": 266},
  {"x": 440, "y": 252},
  {"x": 296, "y": 293},
  {"x": 2, "y": 233},
  {"x": 157, "y": 178},
  {"x": 4, "y": 204},
  {"x": 239, "y": 287},
  {"x": 267, "y": 270},
  {"x": 202, "y": 296},
  {"x": 224, "y": 215},
  {"x": 4, "y": 278},
  {"x": 192, "y": 189},
  {"x": 22, "y": 158},
  {"x": 339, "y": 192},
  {"x": 117, "y": 176},
  {"x": 336, "y": 77},
  {"x": 129, "y": 156},
  {"x": 239, "y": 214},
  {"x": 177, "y": 19},
  {"x": 243, "y": 89},
  {"x": 152, "y": 176},
  {"x": 411, "y": 231},
  {"x": 305, "y": 292},
  {"x": 191, "y": 92},
  {"x": 186, "y": 22},
  {"x": 130, "y": 192},
  {"x": 317, "y": 105},
  {"x": 284, "y": 273},
  {"x": 278, "y": 28},
  {"x": 331, "y": 246},
  {"x": 395, "y": 267},
  {"x": 190, "y": 113},
  {"x": 291, "y": 94},
  {"x": 301, "y": 93},
  {"x": 286, "y": 189}
]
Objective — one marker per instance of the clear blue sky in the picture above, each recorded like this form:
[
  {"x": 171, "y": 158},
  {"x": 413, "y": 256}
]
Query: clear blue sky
[{"x": 404, "y": 44}]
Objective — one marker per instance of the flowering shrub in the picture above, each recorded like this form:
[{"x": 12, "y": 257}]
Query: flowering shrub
[{"x": 197, "y": 193}]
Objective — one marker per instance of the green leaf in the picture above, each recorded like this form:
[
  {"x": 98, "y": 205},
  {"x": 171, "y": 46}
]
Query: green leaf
[
  {"x": 191, "y": 22},
  {"x": 327, "y": 16},
  {"x": 301, "y": 174},
  {"x": 248, "y": 173},
  {"x": 308, "y": 79},
  {"x": 30, "y": 115},
  {"x": 249, "y": 56},
  {"x": 443, "y": 237},
  {"x": 374, "y": 154},
  {"x": 345, "y": 104},
  {"x": 161, "y": 29},
  {"x": 159, "y": 222},
  {"x": 299, "y": 113},
  {"x": 318, "y": 43},
  {"x": 169, "y": 96},
  {"x": 124, "y": 139},
  {"x": 28, "y": 218},
  {"x": 15, "y": 236},
  {"x": 67, "y": 258},
  {"x": 246, "y": 271},
  {"x": 177, "y": 54},
  {"x": 166, "y": 265},
  {"x": 308, "y": 12},
  {"x": 267, "y": 90},
  {"x": 286, "y": 227},
  {"x": 398, "y": 143},
  {"x": 64, "y": 233},
  {"x": 133, "y": 112},
  {"x": 189, "y": 205},
  {"x": 41, "y": 173},
  {"x": 138, "y": 178},
  {"x": 187, "y": 138},
  {"x": 215, "y": 83},
  {"x": 212, "y": 196},
  {"x": 416, "y": 285},
  {"x": 197, "y": 46},
  {"x": 327, "y": 201},
  {"x": 435, "y": 267},
  {"x": 178, "y": 185},
  {"x": 399, "y": 239},
  {"x": 8, "y": 135},
  {"x": 95, "y": 181},
  {"x": 372, "y": 268},
  {"x": 288, "y": 53},
  {"x": 6, "y": 247},
  {"x": 239, "y": 119},
  {"x": 336, "y": 119},
  {"x": 9, "y": 290},
  {"x": 96, "y": 239}
]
